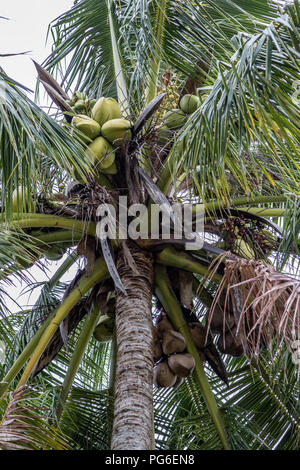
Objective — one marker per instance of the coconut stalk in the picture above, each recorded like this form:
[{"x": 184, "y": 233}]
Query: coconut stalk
[
  {"x": 179, "y": 259},
  {"x": 176, "y": 317},
  {"x": 83, "y": 340},
  {"x": 99, "y": 273},
  {"x": 41, "y": 220}
]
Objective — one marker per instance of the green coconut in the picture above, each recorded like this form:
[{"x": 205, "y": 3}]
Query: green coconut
[
  {"x": 101, "y": 152},
  {"x": 80, "y": 106},
  {"x": 106, "y": 109},
  {"x": 175, "y": 118},
  {"x": 20, "y": 199},
  {"x": 111, "y": 170},
  {"x": 87, "y": 126},
  {"x": 189, "y": 103},
  {"x": 104, "y": 330},
  {"x": 116, "y": 129}
]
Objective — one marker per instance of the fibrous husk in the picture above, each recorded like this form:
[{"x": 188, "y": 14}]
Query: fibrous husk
[
  {"x": 219, "y": 320},
  {"x": 199, "y": 334},
  {"x": 88, "y": 126},
  {"x": 175, "y": 119},
  {"x": 116, "y": 129},
  {"x": 179, "y": 381},
  {"x": 101, "y": 152},
  {"x": 106, "y": 109},
  {"x": 189, "y": 103},
  {"x": 163, "y": 376},
  {"x": 104, "y": 330},
  {"x": 173, "y": 342},
  {"x": 163, "y": 325},
  {"x": 157, "y": 349},
  {"x": 181, "y": 365},
  {"x": 230, "y": 344}
]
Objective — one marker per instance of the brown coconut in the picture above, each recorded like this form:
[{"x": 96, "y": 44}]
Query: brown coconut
[
  {"x": 163, "y": 325},
  {"x": 163, "y": 376},
  {"x": 199, "y": 335},
  {"x": 181, "y": 364},
  {"x": 218, "y": 321},
  {"x": 230, "y": 344},
  {"x": 173, "y": 342}
]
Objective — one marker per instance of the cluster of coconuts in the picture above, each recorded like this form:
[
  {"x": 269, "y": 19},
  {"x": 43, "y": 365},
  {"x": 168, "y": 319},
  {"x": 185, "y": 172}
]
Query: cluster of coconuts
[
  {"x": 176, "y": 118},
  {"x": 172, "y": 364},
  {"x": 80, "y": 103},
  {"x": 102, "y": 129}
]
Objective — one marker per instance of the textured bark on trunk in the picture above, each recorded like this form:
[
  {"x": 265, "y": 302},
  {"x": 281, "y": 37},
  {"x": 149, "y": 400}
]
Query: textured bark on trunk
[{"x": 133, "y": 408}]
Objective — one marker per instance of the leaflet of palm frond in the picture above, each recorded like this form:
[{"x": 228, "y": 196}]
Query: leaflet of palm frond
[
  {"x": 270, "y": 301},
  {"x": 24, "y": 424},
  {"x": 57, "y": 342},
  {"x": 215, "y": 361},
  {"x": 147, "y": 113}
]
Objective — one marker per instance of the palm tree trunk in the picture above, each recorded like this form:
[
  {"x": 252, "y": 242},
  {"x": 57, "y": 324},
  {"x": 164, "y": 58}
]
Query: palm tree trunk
[{"x": 133, "y": 408}]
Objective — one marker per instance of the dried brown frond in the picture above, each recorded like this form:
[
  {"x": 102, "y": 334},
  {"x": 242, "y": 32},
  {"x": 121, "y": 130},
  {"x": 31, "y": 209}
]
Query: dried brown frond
[{"x": 265, "y": 303}]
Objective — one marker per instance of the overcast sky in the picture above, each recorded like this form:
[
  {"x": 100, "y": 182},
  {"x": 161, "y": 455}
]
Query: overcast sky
[{"x": 26, "y": 30}]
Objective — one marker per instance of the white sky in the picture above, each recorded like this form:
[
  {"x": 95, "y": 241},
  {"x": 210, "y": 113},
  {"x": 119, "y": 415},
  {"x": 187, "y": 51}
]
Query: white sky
[{"x": 26, "y": 30}]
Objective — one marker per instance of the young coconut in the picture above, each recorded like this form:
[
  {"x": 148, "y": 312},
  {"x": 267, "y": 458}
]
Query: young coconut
[
  {"x": 173, "y": 342},
  {"x": 189, "y": 103},
  {"x": 157, "y": 349},
  {"x": 163, "y": 376},
  {"x": 87, "y": 126},
  {"x": 181, "y": 364},
  {"x": 116, "y": 129},
  {"x": 101, "y": 152},
  {"x": 175, "y": 119},
  {"x": 106, "y": 109},
  {"x": 104, "y": 330}
]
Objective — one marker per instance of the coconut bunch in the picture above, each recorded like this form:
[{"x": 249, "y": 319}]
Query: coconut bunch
[
  {"x": 175, "y": 118},
  {"x": 172, "y": 363},
  {"x": 102, "y": 129},
  {"x": 80, "y": 103}
]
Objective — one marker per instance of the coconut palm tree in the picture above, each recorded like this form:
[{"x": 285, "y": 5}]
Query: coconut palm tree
[{"x": 208, "y": 95}]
